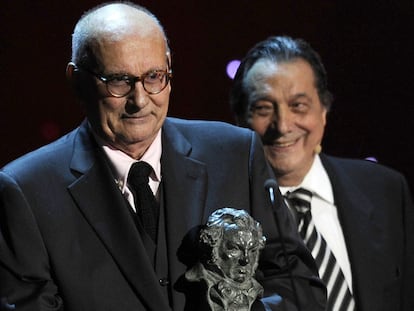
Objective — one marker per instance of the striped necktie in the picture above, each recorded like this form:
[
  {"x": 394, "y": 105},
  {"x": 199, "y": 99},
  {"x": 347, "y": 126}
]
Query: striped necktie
[{"x": 339, "y": 296}]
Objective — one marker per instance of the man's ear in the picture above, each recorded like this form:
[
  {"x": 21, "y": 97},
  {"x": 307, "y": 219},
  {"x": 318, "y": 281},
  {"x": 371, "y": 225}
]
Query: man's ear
[
  {"x": 169, "y": 60},
  {"x": 73, "y": 77},
  {"x": 70, "y": 72}
]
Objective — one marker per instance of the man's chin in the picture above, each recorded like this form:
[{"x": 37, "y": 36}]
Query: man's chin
[{"x": 281, "y": 168}]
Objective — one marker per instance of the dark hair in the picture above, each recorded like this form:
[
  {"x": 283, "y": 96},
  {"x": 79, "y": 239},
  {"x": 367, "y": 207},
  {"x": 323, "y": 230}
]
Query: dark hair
[{"x": 277, "y": 49}]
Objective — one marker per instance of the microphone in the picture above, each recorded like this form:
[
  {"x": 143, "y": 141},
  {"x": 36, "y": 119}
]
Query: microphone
[{"x": 271, "y": 187}]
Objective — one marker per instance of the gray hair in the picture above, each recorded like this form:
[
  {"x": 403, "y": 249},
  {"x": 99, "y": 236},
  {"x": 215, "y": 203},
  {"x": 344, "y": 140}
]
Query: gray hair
[{"x": 91, "y": 25}]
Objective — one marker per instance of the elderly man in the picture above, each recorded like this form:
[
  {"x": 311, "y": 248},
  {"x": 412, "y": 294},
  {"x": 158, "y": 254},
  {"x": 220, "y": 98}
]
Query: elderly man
[
  {"x": 354, "y": 215},
  {"x": 103, "y": 218}
]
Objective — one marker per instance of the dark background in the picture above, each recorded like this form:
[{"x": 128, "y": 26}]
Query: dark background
[{"x": 366, "y": 48}]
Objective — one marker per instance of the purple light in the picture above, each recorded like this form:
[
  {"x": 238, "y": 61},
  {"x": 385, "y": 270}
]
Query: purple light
[
  {"x": 232, "y": 68},
  {"x": 372, "y": 159}
]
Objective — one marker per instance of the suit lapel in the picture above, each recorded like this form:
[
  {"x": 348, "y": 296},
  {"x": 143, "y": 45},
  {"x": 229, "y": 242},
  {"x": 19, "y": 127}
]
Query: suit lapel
[
  {"x": 101, "y": 203},
  {"x": 363, "y": 235},
  {"x": 185, "y": 181}
]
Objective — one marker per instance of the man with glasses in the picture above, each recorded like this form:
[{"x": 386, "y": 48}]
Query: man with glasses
[{"x": 106, "y": 218}]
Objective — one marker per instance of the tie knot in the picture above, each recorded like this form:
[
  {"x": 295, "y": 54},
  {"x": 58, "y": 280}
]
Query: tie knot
[
  {"x": 139, "y": 173},
  {"x": 300, "y": 199}
]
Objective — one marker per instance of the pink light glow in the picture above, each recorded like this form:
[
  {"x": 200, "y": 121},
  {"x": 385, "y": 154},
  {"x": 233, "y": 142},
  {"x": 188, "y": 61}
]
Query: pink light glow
[{"x": 232, "y": 67}]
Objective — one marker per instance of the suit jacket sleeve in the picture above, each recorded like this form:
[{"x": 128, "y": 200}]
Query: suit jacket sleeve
[
  {"x": 292, "y": 276},
  {"x": 24, "y": 266}
]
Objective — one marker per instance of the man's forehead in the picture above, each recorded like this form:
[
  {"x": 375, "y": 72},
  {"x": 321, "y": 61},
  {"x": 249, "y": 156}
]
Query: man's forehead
[
  {"x": 118, "y": 20},
  {"x": 260, "y": 71}
]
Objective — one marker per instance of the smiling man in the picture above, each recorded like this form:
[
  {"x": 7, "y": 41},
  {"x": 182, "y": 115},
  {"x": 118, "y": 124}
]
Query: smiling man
[
  {"x": 287, "y": 89},
  {"x": 103, "y": 218},
  {"x": 355, "y": 216}
]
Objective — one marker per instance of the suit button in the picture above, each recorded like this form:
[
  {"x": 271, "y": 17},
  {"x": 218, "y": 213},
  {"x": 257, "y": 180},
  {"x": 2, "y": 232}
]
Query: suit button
[{"x": 164, "y": 281}]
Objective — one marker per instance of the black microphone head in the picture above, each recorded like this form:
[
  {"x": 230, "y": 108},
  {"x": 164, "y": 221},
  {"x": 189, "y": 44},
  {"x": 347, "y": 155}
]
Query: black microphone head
[{"x": 270, "y": 183}]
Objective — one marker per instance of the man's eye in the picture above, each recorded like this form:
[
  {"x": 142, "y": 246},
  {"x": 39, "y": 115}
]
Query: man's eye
[
  {"x": 154, "y": 76},
  {"x": 263, "y": 110},
  {"x": 298, "y": 105},
  {"x": 119, "y": 79}
]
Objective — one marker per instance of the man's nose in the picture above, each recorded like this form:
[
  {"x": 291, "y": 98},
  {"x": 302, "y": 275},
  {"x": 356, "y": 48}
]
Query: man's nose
[
  {"x": 282, "y": 121},
  {"x": 138, "y": 95}
]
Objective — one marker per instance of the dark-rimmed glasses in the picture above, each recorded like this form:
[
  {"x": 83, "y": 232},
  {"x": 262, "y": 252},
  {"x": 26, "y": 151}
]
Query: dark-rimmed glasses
[{"x": 121, "y": 85}]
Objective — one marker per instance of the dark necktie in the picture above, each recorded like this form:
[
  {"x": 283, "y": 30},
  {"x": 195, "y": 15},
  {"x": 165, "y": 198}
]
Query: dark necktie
[
  {"x": 339, "y": 296},
  {"x": 146, "y": 205}
]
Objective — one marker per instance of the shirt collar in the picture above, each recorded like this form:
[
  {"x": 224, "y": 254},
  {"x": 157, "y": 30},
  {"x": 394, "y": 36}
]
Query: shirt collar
[
  {"x": 121, "y": 162},
  {"x": 317, "y": 181}
]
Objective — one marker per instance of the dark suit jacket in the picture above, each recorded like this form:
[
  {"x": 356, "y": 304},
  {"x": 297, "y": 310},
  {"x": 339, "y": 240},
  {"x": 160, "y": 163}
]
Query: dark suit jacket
[
  {"x": 376, "y": 213},
  {"x": 68, "y": 239}
]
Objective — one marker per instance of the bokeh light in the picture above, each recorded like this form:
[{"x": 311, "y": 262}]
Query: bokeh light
[{"x": 232, "y": 67}]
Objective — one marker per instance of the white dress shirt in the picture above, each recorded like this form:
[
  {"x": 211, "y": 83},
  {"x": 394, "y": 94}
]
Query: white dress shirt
[
  {"x": 324, "y": 214},
  {"x": 121, "y": 163}
]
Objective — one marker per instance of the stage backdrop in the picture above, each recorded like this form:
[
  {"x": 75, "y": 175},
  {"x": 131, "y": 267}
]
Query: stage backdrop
[{"x": 366, "y": 47}]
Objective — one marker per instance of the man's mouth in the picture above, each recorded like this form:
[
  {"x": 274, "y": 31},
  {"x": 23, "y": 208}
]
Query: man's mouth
[
  {"x": 283, "y": 144},
  {"x": 135, "y": 117}
]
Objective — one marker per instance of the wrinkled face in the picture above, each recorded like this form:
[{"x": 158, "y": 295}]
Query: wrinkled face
[
  {"x": 238, "y": 254},
  {"x": 287, "y": 113},
  {"x": 132, "y": 120}
]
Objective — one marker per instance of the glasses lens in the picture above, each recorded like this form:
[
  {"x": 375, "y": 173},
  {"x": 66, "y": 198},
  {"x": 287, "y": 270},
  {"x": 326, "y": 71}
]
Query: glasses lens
[
  {"x": 155, "y": 82},
  {"x": 119, "y": 86}
]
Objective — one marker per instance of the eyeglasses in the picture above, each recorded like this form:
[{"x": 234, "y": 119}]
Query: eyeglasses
[{"x": 153, "y": 82}]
